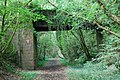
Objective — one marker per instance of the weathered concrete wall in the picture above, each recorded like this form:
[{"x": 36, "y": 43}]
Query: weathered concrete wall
[
  {"x": 28, "y": 49},
  {"x": 24, "y": 43},
  {"x": 16, "y": 43}
]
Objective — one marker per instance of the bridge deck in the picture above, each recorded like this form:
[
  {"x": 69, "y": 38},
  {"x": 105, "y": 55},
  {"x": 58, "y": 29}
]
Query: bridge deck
[{"x": 42, "y": 25}]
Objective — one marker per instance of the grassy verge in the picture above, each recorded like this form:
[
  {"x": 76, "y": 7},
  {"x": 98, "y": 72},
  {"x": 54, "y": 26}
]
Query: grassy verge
[
  {"x": 67, "y": 63},
  {"x": 93, "y": 72},
  {"x": 29, "y": 75}
]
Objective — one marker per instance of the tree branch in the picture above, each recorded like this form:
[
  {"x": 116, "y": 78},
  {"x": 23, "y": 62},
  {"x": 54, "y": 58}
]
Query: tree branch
[
  {"x": 57, "y": 8},
  {"x": 75, "y": 35},
  {"x": 107, "y": 29},
  {"x": 9, "y": 41},
  {"x": 3, "y": 18},
  {"x": 52, "y": 4},
  {"x": 111, "y": 16},
  {"x": 27, "y": 3},
  {"x": 7, "y": 45}
]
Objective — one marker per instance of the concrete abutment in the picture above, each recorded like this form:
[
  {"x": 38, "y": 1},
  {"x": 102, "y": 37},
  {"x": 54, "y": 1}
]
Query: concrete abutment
[{"x": 24, "y": 42}]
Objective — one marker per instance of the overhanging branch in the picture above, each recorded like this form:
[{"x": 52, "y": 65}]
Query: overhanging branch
[
  {"x": 52, "y": 4},
  {"x": 3, "y": 17},
  {"x": 111, "y": 16},
  {"x": 111, "y": 32},
  {"x": 27, "y": 3}
]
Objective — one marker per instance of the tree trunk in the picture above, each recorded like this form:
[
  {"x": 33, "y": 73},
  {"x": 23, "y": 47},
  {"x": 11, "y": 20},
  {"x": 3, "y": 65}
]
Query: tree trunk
[
  {"x": 3, "y": 17},
  {"x": 44, "y": 53},
  {"x": 58, "y": 36},
  {"x": 83, "y": 45}
]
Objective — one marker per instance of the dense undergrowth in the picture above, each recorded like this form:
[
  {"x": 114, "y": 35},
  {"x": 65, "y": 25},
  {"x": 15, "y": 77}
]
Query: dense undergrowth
[
  {"x": 92, "y": 71},
  {"x": 88, "y": 18}
]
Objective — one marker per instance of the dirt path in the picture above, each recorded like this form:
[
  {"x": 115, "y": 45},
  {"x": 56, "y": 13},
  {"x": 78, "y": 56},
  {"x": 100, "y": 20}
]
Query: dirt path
[{"x": 52, "y": 70}]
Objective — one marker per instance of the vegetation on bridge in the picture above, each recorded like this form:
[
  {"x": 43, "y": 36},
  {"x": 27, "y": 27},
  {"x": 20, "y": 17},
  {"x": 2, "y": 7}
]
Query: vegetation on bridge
[{"x": 93, "y": 41}]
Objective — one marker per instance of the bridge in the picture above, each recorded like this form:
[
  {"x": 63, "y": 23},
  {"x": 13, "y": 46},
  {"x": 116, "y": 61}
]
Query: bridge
[
  {"x": 43, "y": 25},
  {"x": 25, "y": 40}
]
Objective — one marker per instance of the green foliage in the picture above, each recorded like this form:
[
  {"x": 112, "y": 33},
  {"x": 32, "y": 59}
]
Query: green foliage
[
  {"x": 41, "y": 63},
  {"x": 92, "y": 72},
  {"x": 90, "y": 39},
  {"x": 27, "y": 75},
  {"x": 110, "y": 52},
  {"x": 46, "y": 45},
  {"x": 65, "y": 62},
  {"x": 7, "y": 67},
  {"x": 69, "y": 45},
  {"x": 14, "y": 15},
  {"x": 70, "y": 12}
]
